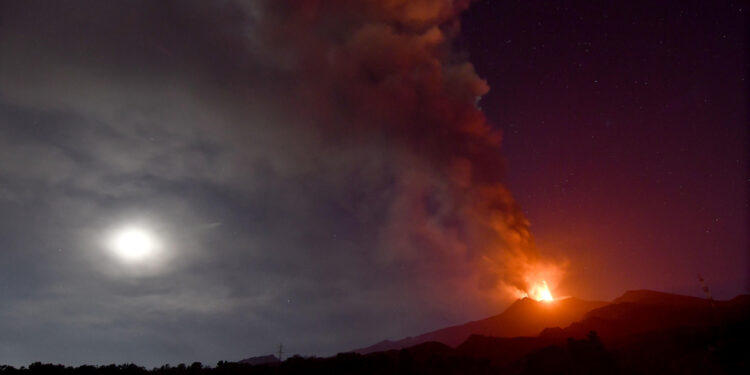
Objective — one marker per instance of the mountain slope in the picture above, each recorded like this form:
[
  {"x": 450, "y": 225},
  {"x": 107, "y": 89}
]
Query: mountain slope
[
  {"x": 634, "y": 325},
  {"x": 525, "y": 317},
  {"x": 650, "y": 297},
  {"x": 639, "y": 312}
]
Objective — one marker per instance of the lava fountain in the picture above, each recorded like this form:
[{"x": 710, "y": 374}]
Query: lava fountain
[
  {"x": 538, "y": 281},
  {"x": 540, "y": 292}
]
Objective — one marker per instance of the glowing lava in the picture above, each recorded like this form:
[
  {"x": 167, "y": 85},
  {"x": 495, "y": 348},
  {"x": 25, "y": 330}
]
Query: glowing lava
[
  {"x": 538, "y": 291},
  {"x": 535, "y": 279}
]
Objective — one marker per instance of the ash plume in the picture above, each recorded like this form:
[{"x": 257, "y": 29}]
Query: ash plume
[
  {"x": 386, "y": 71},
  {"x": 339, "y": 143}
]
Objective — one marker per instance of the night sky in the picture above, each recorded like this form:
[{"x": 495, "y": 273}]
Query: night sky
[
  {"x": 202, "y": 181},
  {"x": 625, "y": 136}
]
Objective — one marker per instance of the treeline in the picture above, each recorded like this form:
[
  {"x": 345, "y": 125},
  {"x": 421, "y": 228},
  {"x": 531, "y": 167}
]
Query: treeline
[{"x": 344, "y": 363}]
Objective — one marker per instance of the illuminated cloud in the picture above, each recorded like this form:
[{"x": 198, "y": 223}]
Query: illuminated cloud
[{"x": 338, "y": 143}]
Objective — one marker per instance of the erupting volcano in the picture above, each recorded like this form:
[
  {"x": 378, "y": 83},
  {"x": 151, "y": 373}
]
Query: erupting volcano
[
  {"x": 540, "y": 292},
  {"x": 185, "y": 178}
]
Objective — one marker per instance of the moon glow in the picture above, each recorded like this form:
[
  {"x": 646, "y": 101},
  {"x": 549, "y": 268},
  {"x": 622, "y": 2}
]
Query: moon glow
[{"x": 134, "y": 244}]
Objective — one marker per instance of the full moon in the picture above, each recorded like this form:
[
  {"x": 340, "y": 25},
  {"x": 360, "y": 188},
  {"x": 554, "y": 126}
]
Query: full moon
[{"x": 133, "y": 244}]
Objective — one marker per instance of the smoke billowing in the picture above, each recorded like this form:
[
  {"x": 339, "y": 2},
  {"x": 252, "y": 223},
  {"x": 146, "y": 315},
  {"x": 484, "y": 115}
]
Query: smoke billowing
[
  {"x": 387, "y": 71},
  {"x": 312, "y": 166}
]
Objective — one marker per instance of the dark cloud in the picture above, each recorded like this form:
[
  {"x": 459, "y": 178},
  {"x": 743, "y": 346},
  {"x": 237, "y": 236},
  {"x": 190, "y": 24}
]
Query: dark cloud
[{"x": 314, "y": 168}]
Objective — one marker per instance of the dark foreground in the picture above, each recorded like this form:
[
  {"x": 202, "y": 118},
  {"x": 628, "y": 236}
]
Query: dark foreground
[
  {"x": 710, "y": 350},
  {"x": 640, "y": 333}
]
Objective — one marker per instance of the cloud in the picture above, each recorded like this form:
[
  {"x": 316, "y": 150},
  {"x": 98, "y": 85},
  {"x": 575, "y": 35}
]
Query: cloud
[{"x": 335, "y": 149}]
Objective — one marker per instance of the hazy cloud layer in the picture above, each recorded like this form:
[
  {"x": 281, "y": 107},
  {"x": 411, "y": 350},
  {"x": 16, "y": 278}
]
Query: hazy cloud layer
[{"x": 318, "y": 172}]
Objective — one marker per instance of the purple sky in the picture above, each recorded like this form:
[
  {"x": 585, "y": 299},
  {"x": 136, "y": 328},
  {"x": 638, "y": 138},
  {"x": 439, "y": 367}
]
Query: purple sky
[{"x": 625, "y": 136}]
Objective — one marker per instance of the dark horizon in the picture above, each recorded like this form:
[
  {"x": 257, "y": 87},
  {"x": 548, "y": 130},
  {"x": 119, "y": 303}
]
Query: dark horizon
[
  {"x": 189, "y": 181},
  {"x": 567, "y": 317},
  {"x": 639, "y": 332}
]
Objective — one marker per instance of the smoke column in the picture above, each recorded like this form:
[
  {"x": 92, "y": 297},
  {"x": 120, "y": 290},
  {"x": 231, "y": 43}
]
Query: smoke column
[
  {"x": 288, "y": 121},
  {"x": 386, "y": 71}
]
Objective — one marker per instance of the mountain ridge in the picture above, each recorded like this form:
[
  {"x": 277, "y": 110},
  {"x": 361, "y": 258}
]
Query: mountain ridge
[
  {"x": 633, "y": 325},
  {"x": 524, "y": 317},
  {"x": 573, "y": 317}
]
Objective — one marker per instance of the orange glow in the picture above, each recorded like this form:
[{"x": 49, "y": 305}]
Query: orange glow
[
  {"x": 527, "y": 275},
  {"x": 539, "y": 280},
  {"x": 540, "y": 292}
]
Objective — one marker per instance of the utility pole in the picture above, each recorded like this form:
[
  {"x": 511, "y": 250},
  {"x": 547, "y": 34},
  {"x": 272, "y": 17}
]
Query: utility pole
[{"x": 281, "y": 353}]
